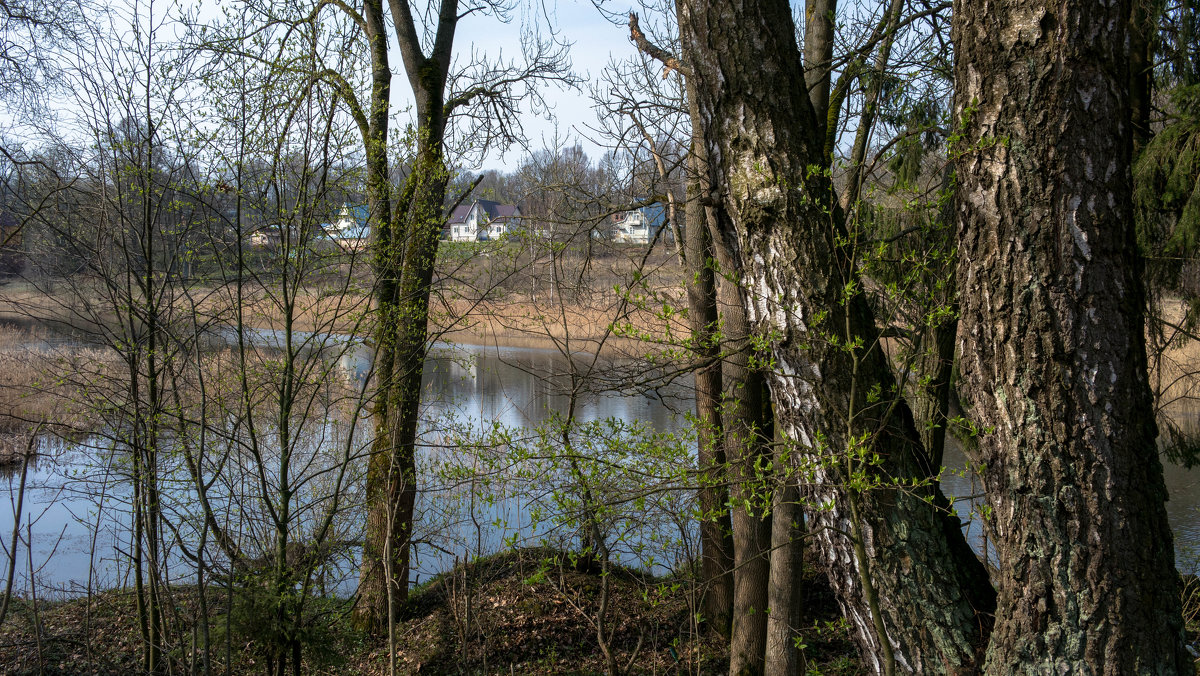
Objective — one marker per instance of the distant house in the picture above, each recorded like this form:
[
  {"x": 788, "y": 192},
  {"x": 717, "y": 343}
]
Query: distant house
[
  {"x": 638, "y": 226},
  {"x": 350, "y": 230},
  {"x": 266, "y": 236},
  {"x": 482, "y": 220}
]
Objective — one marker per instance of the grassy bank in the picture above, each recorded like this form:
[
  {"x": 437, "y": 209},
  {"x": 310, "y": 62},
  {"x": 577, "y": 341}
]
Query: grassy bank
[
  {"x": 38, "y": 388},
  {"x": 603, "y": 320}
]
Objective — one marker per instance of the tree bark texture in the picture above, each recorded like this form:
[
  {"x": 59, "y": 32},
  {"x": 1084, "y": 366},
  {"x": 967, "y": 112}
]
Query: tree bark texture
[
  {"x": 746, "y": 417},
  {"x": 759, "y": 130},
  {"x": 716, "y": 532},
  {"x": 1052, "y": 344},
  {"x": 747, "y": 423},
  {"x": 786, "y": 582},
  {"x": 374, "y": 576}
]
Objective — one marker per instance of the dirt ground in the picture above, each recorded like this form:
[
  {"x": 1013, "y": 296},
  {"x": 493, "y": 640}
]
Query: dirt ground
[{"x": 531, "y": 613}]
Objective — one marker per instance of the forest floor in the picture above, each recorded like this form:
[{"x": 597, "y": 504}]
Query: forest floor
[{"x": 528, "y": 616}]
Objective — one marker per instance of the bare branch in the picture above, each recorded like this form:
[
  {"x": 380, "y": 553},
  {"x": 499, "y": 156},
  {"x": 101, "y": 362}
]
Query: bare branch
[{"x": 670, "y": 61}]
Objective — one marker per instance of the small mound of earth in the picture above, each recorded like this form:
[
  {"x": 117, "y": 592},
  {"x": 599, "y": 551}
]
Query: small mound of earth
[{"x": 532, "y": 611}]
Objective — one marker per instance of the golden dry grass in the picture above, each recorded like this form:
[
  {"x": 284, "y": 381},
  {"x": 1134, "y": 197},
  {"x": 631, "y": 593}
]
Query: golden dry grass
[
  {"x": 40, "y": 385},
  {"x": 612, "y": 321},
  {"x": 604, "y": 320}
]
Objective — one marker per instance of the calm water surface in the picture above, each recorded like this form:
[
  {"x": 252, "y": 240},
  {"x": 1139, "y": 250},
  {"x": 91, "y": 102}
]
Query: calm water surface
[{"x": 79, "y": 532}]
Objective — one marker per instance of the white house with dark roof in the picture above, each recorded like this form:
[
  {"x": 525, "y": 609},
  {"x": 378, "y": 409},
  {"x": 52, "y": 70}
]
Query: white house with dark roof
[{"x": 482, "y": 220}]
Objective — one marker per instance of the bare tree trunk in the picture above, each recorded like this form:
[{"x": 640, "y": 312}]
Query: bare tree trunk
[
  {"x": 375, "y": 577},
  {"x": 1053, "y": 350},
  {"x": 787, "y": 572},
  {"x": 401, "y": 335},
  {"x": 759, "y": 128},
  {"x": 746, "y": 416},
  {"x": 1143, "y": 33},
  {"x": 818, "y": 58},
  {"x": 405, "y": 250},
  {"x": 747, "y": 425},
  {"x": 716, "y": 532},
  {"x": 932, "y": 406},
  {"x": 866, "y": 121}
]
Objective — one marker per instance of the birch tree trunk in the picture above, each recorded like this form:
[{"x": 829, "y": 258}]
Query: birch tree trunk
[
  {"x": 1052, "y": 342},
  {"x": 926, "y": 611}
]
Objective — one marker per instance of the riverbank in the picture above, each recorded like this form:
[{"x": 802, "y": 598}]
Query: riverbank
[
  {"x": 48, "y": 356},
  {"x": 599, "y": 321},
  {"x": 529, "y": 615}
]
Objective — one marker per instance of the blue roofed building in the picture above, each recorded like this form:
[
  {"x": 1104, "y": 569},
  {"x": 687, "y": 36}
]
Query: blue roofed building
[
  {"x": 638, "y": 226},
  {"x": 350, "y": 230}
]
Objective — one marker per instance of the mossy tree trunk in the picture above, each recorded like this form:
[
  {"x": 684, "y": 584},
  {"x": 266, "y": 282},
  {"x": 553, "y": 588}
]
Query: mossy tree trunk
[{"x": 405, "y": 232}]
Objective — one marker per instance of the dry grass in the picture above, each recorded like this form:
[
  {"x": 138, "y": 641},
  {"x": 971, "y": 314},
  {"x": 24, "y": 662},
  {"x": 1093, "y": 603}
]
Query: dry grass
[
  {"x": 606, "y": 325},
  {"x": 1175, "y": 371},
  {"x": 39, "y": 383},
  {"x": 598, "y": 317}
]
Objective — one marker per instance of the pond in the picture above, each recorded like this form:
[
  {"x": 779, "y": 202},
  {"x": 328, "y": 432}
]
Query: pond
[
  {"x": 75, "y": 513},
  {"x": 74, "y": 516}
]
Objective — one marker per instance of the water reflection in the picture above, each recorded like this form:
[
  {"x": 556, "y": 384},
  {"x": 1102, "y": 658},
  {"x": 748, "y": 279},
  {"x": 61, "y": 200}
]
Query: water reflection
[
  {"x": 78, "y": 507},
  {"x": 1183, "y": 505},
  {"x": 477, "y": 391},
  {"x": 77, "y": 499}
]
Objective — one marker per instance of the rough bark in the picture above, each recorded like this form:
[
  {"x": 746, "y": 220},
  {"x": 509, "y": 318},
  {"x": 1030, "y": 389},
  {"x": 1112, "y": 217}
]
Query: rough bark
[
  {"x": 933, "y": 408},
  {"x": 1052, "y": 345},
  {"x": 372, "y": 586},
  {"x": 760, "y": 132},
  {"x": 746, "y": 417},
  {"x": 747, "y": 422},
  {"x": 716, "y": 541},
  {"x": 787, "y": 574}
]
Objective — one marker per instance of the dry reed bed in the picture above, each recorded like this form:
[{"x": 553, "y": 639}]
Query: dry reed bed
[
  {"x": 623, "y": 319},
  {"x": 70, "y": 389}
]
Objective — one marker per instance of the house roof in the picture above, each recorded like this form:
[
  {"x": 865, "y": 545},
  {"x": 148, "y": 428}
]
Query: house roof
[
  {"x": 494, "y": 211},
  {"x": 655, "y": 214},
  {"x": 460, "y": 213},
  {"x": 360, "y": 213},
  {"x": 498, "y": 210},
  {"x": 360, "y": 229}
]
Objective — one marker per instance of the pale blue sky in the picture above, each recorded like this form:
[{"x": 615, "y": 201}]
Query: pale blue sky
[{"x": 595, "y": 40}]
